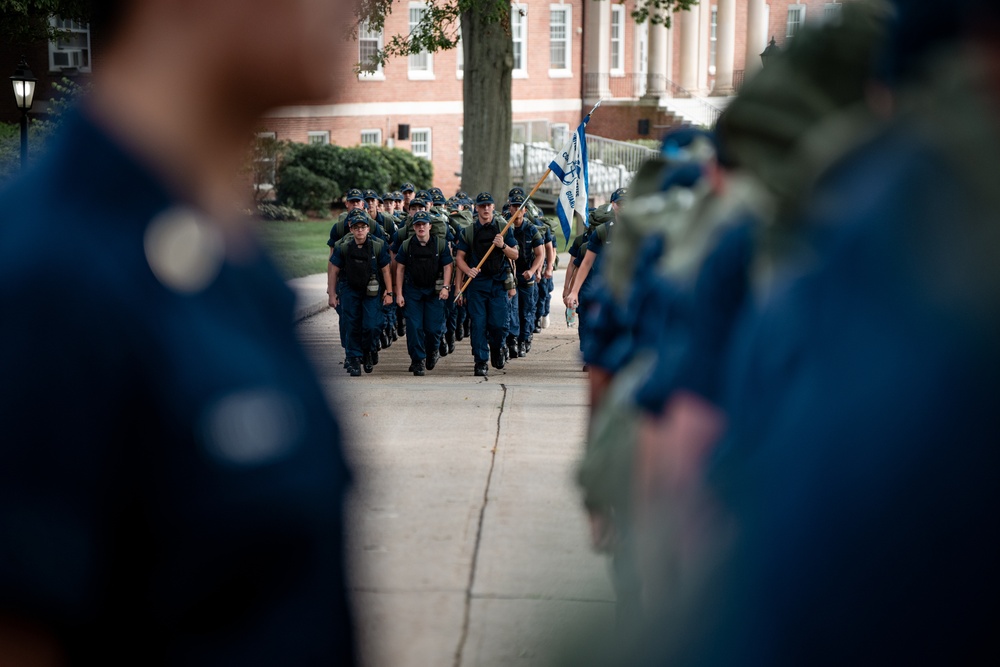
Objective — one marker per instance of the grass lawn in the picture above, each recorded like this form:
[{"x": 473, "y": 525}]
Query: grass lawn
[{"x": 299, "y": 247}]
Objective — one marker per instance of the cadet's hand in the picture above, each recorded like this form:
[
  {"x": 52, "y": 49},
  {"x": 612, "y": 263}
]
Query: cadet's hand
[
  {"x": 400, "y": 301},
  {"x": 547, "y": 274},
  {"x": 512, "y": 293},
  {"x": 443, "y": 294},
  {"x": 571, "y": 300},
  {"x": 472, "y": 272},
  {"x": 460, "y": 300},
  {"x": 498, "y": 241},
  {"x": 334, "y": 301},
  {"x": 387, "y": 299},
  {"x": 526, "y": 275}
]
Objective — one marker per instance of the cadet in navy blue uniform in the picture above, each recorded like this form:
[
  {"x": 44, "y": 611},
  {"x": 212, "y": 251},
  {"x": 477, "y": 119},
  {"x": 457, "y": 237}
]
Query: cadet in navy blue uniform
[
  {"x": 530, "y": 255},
  {"x": 171, "y": 474},
  {"x": 486, "y": 294},
  {"x": 362, "y": 263},
  {"x": 423, "y": 284},
  {"x": 588, "y": 266}
]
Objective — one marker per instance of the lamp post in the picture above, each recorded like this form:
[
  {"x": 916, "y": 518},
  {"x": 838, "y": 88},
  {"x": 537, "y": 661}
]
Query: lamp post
[
  {"x": 770, "y": 52},
  {"x": 24, "y": 94}
]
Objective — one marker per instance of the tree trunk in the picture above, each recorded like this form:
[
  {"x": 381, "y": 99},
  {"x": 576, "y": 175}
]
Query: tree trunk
[{"x": 489, "y": 60}]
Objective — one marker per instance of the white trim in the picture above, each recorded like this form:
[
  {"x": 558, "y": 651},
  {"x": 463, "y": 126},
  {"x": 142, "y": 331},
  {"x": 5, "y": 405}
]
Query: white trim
[
  {"x": 443, "y": 108},
  {"x": 324, "y": 135},
  {"x": 521, "y": 11},
  {"x": 567, "y": 71},
  {"x": 418, "y": 74},
  {"x": 620, "y": 70},
  {"x": 459, "y": 56},
  {"x": 378, "y": 137},
  {"x": 379, "y": 73},
  {"x": 80, "y": 51},
  {"x": 801, "y": 22},
  {"x": 430, "y": 142}
]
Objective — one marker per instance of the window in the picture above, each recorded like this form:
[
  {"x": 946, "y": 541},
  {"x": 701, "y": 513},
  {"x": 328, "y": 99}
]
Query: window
[
  {"x": 713, "y": 40},
  {"x": 420, "y": 143},
  {"x": 369, "y": 44},
  {"x": 560, "y": 135},
  {"x": 618, "y": 39},
  {"x": 265, "y": 160},
  {"x": 371, "y": 137},
  {"x": 796, "y": 16},
  {"x": 421, "y": 65},
  {"x": 560, "y": 46},
  {"x": 461, "y": 149},
  {"x": 831, "y": 11},
  {"x": 72, "y": 51},
  {"x": 318, "y": 137},
  {"x": 519, "y": 34},
  {"x": 459, "y": 56}
]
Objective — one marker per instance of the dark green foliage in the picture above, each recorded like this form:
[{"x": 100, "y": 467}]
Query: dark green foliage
[
  {"x": 275, "y": 212},
  {"x": 304, "y": 189},
  {"x": 306, "y": 168}
]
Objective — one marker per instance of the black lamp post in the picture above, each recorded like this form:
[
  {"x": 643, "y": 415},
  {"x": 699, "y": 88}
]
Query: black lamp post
[
  {"x": 770, "y": 52},
  {"x": 24, "y": 94}
]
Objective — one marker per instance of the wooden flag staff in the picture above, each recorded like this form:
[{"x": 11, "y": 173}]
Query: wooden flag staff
[{"x": 475, "y": 221}]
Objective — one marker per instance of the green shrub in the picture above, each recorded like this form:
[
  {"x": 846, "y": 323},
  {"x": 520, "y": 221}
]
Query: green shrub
[
  {"x": 304, "y": 189},
  {"x": 277, "y": 212},
  {"x": 374, "y": 167}
]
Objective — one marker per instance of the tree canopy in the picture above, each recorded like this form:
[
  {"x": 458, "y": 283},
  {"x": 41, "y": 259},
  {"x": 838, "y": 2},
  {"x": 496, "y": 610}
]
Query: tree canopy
[{"x": 25, "y": 21}]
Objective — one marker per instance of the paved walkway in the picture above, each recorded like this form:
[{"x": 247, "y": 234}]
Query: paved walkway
[{"x": 467, "y": 543}]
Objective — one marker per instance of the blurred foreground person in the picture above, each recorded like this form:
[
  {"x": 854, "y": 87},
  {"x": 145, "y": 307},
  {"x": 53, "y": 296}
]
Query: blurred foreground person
[
  {"x": 857, "y": 480},
  {"x": 171, "y": 476}
]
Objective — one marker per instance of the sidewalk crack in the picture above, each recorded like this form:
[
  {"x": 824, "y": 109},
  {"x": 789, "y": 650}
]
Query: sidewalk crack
[{"x": 479, "y": 536}]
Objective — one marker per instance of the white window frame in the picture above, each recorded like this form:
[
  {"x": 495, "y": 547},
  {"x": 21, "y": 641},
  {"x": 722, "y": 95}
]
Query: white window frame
[
  {"x": 791, "y": 29},
  {"x": 617, "y": 45},
  {"x": 318, "y": 137},
  {"x": 461, "y": 149},
  {"x": 834, "y": 15},
  {"x": 274, "y": 165},
  {"x": 459, "y": 56},
  {"x": 557, "y": 130},
  {"x": 424, "y": 73},
  {"x": 565, "y": 72},
  {"x": 79, "y": 31},
  {"x": 713, "y": 40},
  {"x": 371, "y": 137},
  {"x": 377, "y": 74},
  {"x": 413, "y": 132},
  {"x": 521, "y": 12}
]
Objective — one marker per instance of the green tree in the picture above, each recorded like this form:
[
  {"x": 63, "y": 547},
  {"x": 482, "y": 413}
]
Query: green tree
[
  {"x": 26, "y": 21},
  {"x": 488, "y": 52}
]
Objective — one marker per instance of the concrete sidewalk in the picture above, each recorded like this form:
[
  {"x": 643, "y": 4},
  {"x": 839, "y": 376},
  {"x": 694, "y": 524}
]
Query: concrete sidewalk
[{"x": 467, "y": 542}]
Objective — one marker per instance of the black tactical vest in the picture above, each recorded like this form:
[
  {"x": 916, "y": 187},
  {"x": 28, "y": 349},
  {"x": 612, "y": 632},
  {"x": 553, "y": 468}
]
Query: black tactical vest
[
  {"x": 481, "y": 243},
  {"x": 358, "y": 264},
  {"x": 422, "y": 262}
]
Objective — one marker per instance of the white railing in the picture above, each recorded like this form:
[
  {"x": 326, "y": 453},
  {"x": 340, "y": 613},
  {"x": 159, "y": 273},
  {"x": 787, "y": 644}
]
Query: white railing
[{"x": 611, "y": 165}]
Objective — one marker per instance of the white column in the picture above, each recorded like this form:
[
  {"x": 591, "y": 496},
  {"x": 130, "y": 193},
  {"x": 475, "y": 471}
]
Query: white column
[
  {"x": 704, "y": 35},
  {"x": 597, "y": 49},
  {"x": 656, "y": 85},
  {"x": 689, "y": 48},
  {"x": 756, "y": 34},
  {"x": 725, "y": 47},
  {"x": 671, "y": 32}
]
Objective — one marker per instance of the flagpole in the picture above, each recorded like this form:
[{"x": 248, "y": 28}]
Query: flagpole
[{"x": 468, "y": 279}]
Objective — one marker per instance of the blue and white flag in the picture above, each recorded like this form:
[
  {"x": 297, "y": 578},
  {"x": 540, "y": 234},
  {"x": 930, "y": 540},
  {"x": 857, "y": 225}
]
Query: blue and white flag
[{"x": 570, "y": 167}]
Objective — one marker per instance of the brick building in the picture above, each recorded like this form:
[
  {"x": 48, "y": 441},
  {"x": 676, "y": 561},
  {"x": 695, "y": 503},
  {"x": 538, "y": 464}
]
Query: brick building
[{"x": 568, "y": 54}]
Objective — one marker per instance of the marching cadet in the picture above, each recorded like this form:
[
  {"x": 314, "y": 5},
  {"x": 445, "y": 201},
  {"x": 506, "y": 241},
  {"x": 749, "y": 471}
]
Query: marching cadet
[
  {"x": 354, "y": 199},
  {"x": 364, "y": 263},
  {"x": 407, "y": 191},
  {"x": 531, "y": 255},
  {"x": 597, "y": 218},
  {"x": 423, "y": 284},
  {"x": 544, "y": 279},
  {"x": 487, "y": 299},
  {"x": 373, "y": 205}
]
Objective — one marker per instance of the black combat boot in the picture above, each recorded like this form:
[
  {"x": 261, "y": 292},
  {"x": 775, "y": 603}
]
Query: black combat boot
[
  {"x": 366, "y": 361},
  {"x": 481, "y": 369},
  {"x": 496, "y": 355},
  {"x": 354, "y": 367},
  {"x": 432, "y": 359},
  {"x": 417, "y": 367},
  {"x": 449, "y": 339}
]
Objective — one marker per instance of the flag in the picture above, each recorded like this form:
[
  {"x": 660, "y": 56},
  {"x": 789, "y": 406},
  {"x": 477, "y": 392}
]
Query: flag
[{"x": 570, "y": 167}]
